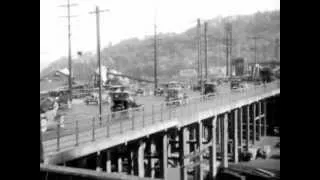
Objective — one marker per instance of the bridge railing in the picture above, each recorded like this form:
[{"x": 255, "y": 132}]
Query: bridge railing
[{"x": 85, "y": 130}]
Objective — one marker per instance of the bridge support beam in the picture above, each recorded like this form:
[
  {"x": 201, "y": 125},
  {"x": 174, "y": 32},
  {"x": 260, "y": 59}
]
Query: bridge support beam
[
  {"x": 132, "y": 169},
  {"x": 235, "y": 136},
  {"x": 183, "y": 137},
  {"x": 248, "y": 127},
  {"x": 240, "y": 120},
  {"x": 164, "y": 159},
  {"x": 141, "y": 170},
  {"x": 218, "y": 131},
  {"x": 254, "y": 129},
  {"x": 98, "y": 162},
  {"x": 199, "y": 170},
  {"x": 259, "y": 121},
  {"x": 108, "y": 163},
  {"x": 152, "y": 158},
  {"x": 119, "y": 163},
  {"x": 265, "y": 117},
  {"x": 224, "y": 141},
  {"x": 213, "y": 148}
]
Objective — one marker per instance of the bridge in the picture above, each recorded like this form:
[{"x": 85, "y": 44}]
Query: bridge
[{"x": 164, "y": 141}]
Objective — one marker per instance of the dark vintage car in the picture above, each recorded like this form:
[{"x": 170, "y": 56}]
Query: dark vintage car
[
  {"x": 140, "y": 92},
  {"x": 159, "y": 92},
  {"x": 175, "y": 96},
  {"x": 235, "y": 83},
  {"x": 122, "y": 101},
  {"x": 210, "y": 88}
]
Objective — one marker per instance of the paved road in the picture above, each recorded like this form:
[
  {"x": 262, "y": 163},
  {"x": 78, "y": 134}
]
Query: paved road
[{"x": 84, "y": 113}]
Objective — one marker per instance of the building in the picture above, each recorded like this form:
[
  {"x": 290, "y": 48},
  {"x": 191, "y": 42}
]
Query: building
[
  {"x": 55, "y": 81},
  {"x": 238, "y": 66}
]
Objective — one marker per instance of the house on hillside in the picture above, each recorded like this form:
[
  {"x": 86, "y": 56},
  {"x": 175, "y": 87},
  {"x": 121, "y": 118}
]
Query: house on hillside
[{"x": 55, "y": 81}]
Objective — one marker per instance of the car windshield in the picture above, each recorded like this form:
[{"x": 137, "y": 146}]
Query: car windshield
[
  {"x": 119, "y": 96},
  {"x": 173, "y": 92}
]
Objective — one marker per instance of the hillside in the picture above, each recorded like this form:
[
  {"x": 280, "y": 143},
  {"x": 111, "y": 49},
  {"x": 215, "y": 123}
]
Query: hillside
[{"x": 178, "y": 51}]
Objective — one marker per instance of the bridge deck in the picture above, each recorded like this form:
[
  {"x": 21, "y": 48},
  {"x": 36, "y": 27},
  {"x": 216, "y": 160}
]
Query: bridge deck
[{"x": 140, "y": 126}]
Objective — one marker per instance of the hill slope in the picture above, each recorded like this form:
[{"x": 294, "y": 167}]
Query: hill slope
[{"x": 178, "y": 51}]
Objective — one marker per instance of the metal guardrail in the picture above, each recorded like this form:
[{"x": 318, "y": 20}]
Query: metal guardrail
[{"x": 115, "y": 123}]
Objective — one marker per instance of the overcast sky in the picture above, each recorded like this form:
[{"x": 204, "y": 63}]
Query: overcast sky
[{"x": 127, "y": 19}]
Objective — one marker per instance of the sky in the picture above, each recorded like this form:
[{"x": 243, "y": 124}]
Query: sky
[{"x": 128, "y": 19}]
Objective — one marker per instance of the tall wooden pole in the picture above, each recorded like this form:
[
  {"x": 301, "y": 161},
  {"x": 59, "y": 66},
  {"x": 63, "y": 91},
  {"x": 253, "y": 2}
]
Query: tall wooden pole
[
  {"x": 155, "y": 59},
  {"x": 68, "y": 5},
  {"x": 199, "y": 53},
  {"x": 206, "y": 50},
  {"x": 97, "y": 13}
]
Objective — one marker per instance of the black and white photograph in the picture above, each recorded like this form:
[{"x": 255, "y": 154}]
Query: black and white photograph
[{"x": 159, "y": 89}]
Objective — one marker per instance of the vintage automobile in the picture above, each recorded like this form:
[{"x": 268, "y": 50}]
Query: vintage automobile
[
  {"x": 159, "y": 92},
  {"x": 122, "y": 101},
  {"x": 118, "y": 88},
  {"x": 93, "y": 98},
  {"x": 50, "y": 116},
  {"x": 140, "y": 92},
  {"x": 175, "y": 96},
  {"x": 210, "y": 88},
  {"x": 235, "y": 83}
]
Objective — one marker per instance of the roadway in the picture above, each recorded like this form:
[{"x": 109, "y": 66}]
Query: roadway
[
  {"x": 84, "y": 114},
  {"x": 119, "y": 126}
]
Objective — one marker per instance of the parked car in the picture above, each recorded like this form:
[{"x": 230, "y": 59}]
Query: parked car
[
  {"x": 235, "y": 83},
  {"x": 175, "y": 96},
  {"x": 210, "y": 88},
  {"x": 122, "y": 101},
  {"x": 139, "y": 91},
  {"x": 93, "y": 98},
  {"x": 159, "y": 92}
]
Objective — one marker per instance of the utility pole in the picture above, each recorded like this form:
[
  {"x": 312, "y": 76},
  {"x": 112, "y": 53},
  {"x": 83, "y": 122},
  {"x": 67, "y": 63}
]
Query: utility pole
[
  {"x": 199, "y": 53},
  {"x": 206, "y": 50},
  {"x": 69, "y": 50},
  {"x": 255, "y": 38},
  {"x": 97, "y": 13},
  {"x": 228, "y": 41},
  {"x": 198, "y": 57},
  {"x": 155, "y": 59}
]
